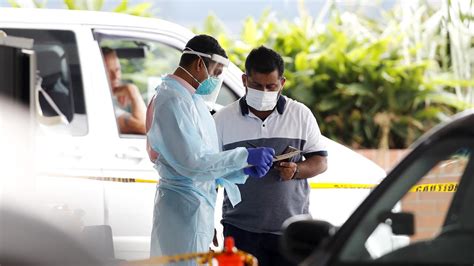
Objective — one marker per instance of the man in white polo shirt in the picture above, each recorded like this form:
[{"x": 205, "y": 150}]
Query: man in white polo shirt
[{"x": 266, "y": 118}]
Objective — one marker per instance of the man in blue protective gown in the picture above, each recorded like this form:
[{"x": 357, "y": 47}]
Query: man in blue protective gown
[{"x": 183, "y": 134}]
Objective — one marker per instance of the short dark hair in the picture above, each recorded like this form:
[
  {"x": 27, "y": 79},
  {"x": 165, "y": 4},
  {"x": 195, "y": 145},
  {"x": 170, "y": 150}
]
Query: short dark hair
[
  {"x": 264, "y": 60},
  {"x": 107, "y": 50},
  {"x": 203, "y": 44}
]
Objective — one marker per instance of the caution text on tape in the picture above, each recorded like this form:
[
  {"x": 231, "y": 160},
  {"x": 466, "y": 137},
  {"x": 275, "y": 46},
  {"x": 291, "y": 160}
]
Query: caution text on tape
[{"x": 433, "y": 187}]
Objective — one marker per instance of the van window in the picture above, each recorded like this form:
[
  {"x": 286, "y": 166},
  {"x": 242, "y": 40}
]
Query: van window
[
  {"x": 144, "y": 62},
  {"x": 141, "y": 65},
  {"x": 59, "y": 67}
]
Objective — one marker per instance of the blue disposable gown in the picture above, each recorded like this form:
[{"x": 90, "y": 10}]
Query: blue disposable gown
[{"x": 190, "y": 165}]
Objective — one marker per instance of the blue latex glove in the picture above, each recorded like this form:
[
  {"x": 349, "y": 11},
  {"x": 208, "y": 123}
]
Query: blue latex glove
[
  {"x": 261, "y": 156},
  {"x": 256, "y": 171}
]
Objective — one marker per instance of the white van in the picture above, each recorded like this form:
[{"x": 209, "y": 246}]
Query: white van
[{"x": 71, "y": 154}]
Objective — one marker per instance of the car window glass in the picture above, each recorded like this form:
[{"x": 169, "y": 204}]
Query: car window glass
[
  {"x": 59, "y": 68},
  {"x": 439, "y": 221},
  {"x": 143, "y": 63}
]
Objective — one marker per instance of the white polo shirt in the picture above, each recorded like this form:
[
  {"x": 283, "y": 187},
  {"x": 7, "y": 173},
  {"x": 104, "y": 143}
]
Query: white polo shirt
[{"x": 267, "y": 202}]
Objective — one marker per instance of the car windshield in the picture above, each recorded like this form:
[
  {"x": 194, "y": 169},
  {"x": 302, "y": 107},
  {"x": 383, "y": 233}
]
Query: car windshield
[{"x": 427, "y": 209}]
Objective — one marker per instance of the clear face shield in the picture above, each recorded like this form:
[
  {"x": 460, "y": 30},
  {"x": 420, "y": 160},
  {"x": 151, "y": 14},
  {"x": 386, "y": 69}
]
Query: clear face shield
[{"x": 216, "y": 69}]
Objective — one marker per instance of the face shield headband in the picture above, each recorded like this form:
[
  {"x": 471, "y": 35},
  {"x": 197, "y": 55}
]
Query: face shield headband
[
  {"x": 214, "y": 57},
  {"x": 211, "y": 98}
]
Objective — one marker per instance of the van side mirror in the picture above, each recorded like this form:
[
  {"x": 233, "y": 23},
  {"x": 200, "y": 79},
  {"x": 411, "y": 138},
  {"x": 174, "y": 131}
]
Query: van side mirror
[
  {"x": 130, "y": 52},
  {"x": 402, "y": 223},
  {"x": 302, "y": 236}
]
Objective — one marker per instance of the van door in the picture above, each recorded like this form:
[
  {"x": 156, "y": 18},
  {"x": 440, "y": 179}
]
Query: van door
[
  {"x": 145, "y": 57},
  {"x": 63, "y": 146}
]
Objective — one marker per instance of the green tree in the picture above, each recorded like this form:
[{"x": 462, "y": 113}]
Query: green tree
[
  {"x": 370, "y": 84},
  {"x": 141, "y": 9}
]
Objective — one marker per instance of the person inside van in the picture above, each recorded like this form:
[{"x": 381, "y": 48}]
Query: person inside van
[{"x": 129, "y": 106}]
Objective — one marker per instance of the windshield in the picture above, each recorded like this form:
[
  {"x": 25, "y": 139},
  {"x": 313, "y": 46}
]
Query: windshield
[{"x": 426, "y": 210}]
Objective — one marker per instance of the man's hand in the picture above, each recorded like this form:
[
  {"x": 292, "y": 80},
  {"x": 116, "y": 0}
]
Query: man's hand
[
  {"x": 287, "y": 170},
  {"x": 133, "y": 123},
  {"x": 126, "y": 94}
]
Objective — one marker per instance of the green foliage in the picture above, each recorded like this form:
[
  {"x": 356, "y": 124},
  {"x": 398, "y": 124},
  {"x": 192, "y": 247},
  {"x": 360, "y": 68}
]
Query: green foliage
[
  {"x": 366, "y": 88},
  {"x": 142, "y": 9},
  {"x": 30, "y": 4},
  {"x": 14, "y": 3}
]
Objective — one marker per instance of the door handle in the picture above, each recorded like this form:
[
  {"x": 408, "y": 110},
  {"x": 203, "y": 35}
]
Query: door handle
[
  {"x": 131, "y": 153},
  {"x": 126, "y": 155},
  {"x": 76, "y": 153}
]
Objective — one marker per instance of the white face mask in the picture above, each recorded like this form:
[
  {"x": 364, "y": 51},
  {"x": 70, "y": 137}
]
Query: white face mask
[{"x": 261, "y": 100}]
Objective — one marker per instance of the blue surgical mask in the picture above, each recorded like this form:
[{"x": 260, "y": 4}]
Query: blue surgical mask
[{"x": 208, "y": 85}]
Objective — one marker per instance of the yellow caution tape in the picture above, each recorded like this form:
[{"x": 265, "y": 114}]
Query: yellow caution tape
[
  {"x": 434, "y": 187},
  {"x": 200, "y": 258},
  {"x": 438, "y": 187},
  {"x": 122, "y": 179},
  {"x": 104, "y": 178},
  {"x": 341, "y": 185}
]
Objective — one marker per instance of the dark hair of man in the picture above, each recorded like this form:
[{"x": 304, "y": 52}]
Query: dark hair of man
[
  {"x": 203, "y": 44},
  {"x": 106, "y": 51},
  {"x": 264, "y": 60}
]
